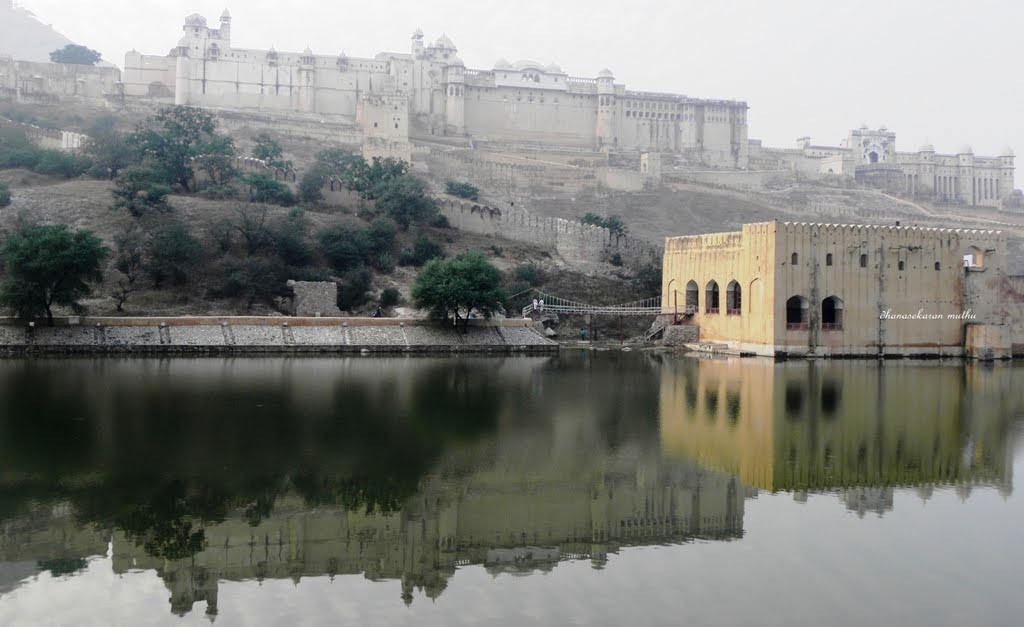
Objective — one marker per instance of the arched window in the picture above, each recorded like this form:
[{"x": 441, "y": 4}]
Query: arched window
[
  {"x": 863, "y": 261},
  {"x": 692, "y": 297},
  {"x": 832, "y": 314},
  {"x": 796, "y": 312},
  {"x": 733, "y": 299},
  {"x": 795, "y": 259},
  {"x": 828, "y": 259},
  {"x": 938, "y": 266},
  {"x": 711, "y": 298},
  {"x": 902, "y": 265}
]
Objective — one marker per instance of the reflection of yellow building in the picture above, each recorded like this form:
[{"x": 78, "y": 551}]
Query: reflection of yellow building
[{"x": 817, "y": 426}]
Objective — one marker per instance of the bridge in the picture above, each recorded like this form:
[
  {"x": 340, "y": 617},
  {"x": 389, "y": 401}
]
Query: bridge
[{"x": 546, "y": 303}]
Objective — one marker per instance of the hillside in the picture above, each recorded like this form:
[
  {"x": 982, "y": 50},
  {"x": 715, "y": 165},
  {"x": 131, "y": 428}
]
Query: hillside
[{"x": 24, "y": 37}]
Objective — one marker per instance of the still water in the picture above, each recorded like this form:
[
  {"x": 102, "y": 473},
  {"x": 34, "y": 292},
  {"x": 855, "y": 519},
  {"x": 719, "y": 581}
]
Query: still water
[{"x": 584, "y": 489}]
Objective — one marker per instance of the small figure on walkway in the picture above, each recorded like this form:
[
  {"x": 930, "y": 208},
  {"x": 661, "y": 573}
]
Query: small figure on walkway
[
  {"x": 535, "y": 304},
  {"x": 542, "y": 305},
  {"x": 379, "y": 313}
]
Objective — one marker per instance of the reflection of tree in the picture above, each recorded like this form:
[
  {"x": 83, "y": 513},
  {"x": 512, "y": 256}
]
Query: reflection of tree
[{"x": 59, "y": 567}]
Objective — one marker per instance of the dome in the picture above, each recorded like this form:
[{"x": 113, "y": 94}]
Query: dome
[
  {"x": 1006, "y": 152},
  {"x": 417, "y": 34},
  {"x": 456, "y": 61},
  {"x": 553, "y": 69},
  {"x": 445, "y": 43},
  {"x": 342, "y": 55},
  {"x": 965, "y": 150},
  {"x": 503, "y": 64},
  {"x": 605, "y": 73},
  {"x": 226, "y": 15},
  {"x": 195, "y": 20},
  {"x": 926, "y": 147}
]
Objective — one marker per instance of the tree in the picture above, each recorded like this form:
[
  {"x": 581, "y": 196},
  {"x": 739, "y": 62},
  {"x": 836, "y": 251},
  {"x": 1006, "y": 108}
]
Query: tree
[
  {"x": 465, "y": 283},
  {"x": 406, "y": 200},
  {"x": 109, "y": 148},
  {"x": 174, "y": 137},
  {"x": 139, "y": 190},
  {"x": 463, "y": 190},
  {"x": 75, "y": 55},
  {"x": 128, "y": 263},
  {"x": 264, "y": 189},
  {"x": 5, "y": 194},
  {"x": 345, "y": 246},
  {"x": 613, "y": 223},
  {"x": 290, "y": 237},
  {"x": 171, "y": 253},
  {"x": 215, "y": 157},
  {"x": 48, "y": 266},
  {"x": 255, "y": 279},
  {"x": 270, "y": 151}
]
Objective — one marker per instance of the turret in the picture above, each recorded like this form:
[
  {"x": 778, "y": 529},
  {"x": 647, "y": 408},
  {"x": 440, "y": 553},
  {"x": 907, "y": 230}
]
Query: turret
[
  {"x": 455, "y": 96},
  {"x": 225, "y": 25},
  {"x": 606, "y": 135},
  {"x": 307, "y": 81},
  {"x": 1006, "y": 185},
  {"x": 417, "y": 43},
  {"x": 182, "y": 72}
]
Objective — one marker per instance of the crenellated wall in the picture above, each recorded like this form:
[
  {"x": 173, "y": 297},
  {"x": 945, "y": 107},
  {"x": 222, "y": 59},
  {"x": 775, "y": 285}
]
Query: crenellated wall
[{"x": 574, "y": 241}]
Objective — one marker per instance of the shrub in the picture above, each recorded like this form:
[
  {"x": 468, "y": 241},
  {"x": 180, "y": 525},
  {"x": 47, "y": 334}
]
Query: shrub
[
  {"x": 390, "y": 297},
  {"x": 612, "y": 223},
  {"x": 463, "y": 190},
  {"x": 382, "y": 235},
  {"x": 345, "y": 246},
  {"x": 5, "y": 195},
  {"x": 255, "y": 279},
  {"x": 422, "y": 251},
  {"x": 528, "y": 274},
  {"x": 140, "y": 191},
  {"x": 311, "y": 185},
  {"x": 616, "y": 260},
  {"x": 57, "y": 163},
  {"x": 171, "y": 253},
  {"x": 267, "y": 149},
  {"x": 440, "y": 221},
  {"x": 385, "y": 263},
  {"x": 290, "y": 238},
  {"x": 264, "y": 189},
  {"x": 406, "y": 199},
  {"x": 352, "y": 289}
]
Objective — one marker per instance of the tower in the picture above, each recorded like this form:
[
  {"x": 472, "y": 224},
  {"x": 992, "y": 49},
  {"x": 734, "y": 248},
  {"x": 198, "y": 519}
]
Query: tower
[
  {"x": 182, "y": 73},
  {"x": 417, "y": 44},
  {"x": 965, "y": 184},
  {"x": 225, "y": 26},
  {"x": 455, "y": 97},
  {"x": 307, "y": 81},
  {"x": 606, "y": 136},
  {"x": 1005, "y": 172}
]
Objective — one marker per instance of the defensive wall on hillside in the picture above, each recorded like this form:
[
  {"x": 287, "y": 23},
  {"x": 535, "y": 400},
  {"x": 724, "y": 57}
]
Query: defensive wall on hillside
[
  {"x": 574, "y": 241},
  {"x": 32, "y": 82},
  {"x": 54, "y": 139}
]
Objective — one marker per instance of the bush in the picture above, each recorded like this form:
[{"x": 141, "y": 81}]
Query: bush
[
  {"x": 255, "y": 279},
  {"x": 382, "y": 235},
  {"x": 463, "y": 190},
  {"x": 5, "y": 195},
  {"x": 290, "y": 238},
  {"x": 345, "y": 246},
  {"x": 612, "y": 223},
  {"x": 311, "y": 185},
  {"x": 268, "y": 150},
  {"x": 616, "y": 260},
  {"x": 264, "y": 189},
  {"x": 406, "y": 199},
  {"x": 385, "y": 263},
  {"x": 352, "y": 289},
  {"x": 528, "y": 274},
  {"x": 390, "y": 297},
  {"x": 422, "y": 251},
  {"x": 140, "y": 191},
  {"x": 171, "y": 253},
  {"x": 440, "y": 221},
  {"x": 57, "y": 163}
]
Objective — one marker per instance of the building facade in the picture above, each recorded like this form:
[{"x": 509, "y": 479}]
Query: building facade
[
  {"x": 430, "y": 92},
  {"x": 783, "y": 288},
  {"x": 869, "y": 156}
]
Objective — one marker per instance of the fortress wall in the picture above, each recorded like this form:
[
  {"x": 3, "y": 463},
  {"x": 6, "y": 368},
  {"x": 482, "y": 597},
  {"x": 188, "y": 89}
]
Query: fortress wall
[
  {"x": 621, "y": 180},
  {"x": 749, "y": 179},
  {"x": 517, "y": 182},
  {"x": 27, "y": 81},
  {"x": 574, "y": 241},
  {"x": 53, "y": 139}
]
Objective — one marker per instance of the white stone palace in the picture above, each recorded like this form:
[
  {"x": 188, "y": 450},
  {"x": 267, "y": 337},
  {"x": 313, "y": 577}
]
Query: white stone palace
[{"x": 430, "y": 92}]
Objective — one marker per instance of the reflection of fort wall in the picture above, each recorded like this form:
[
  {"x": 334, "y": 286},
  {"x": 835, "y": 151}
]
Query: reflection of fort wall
[{"x": 807, "y": 425}]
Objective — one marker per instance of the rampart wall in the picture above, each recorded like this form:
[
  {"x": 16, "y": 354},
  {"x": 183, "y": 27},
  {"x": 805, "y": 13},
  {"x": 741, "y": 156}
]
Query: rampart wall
[
  {"x": 54, "y": 139},
  {"x": 574, "y": 241},
  {"x": 32, "y": 82}
]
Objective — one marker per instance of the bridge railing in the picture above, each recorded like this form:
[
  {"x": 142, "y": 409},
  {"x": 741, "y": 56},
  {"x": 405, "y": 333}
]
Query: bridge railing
[{"x": 554, "y": 304}]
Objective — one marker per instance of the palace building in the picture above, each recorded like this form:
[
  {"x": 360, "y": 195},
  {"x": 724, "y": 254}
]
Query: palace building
[
  {"x": 429, "y": 91},
  {"x": 784, "y": 288}
]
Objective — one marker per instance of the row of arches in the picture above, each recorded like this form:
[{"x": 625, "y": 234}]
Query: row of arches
[
  {"x": 712, "y": 298},
  {"x": 798, "y": 313}
]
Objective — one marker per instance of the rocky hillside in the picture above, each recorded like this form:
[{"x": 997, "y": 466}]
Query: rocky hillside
[{"x": 24, "y": 37}]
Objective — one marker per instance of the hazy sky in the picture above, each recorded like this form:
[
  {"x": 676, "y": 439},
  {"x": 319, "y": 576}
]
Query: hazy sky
[{"x": 944, "y": 70}]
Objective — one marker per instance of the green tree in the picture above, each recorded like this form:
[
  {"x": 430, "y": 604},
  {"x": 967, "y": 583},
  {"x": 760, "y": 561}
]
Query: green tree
[
  {"x": 75, "y": 55},
  {"x": 352, "y": 290},
  {"x": 371, "y": 180},
  {"x": 171, "y": 253},
  {"x": 48, "y": 266},
  {"x": 128, "y": 262},
  {"x": 215, "y": 157},
  {"x": 140, "y": 191},
  {"x": 463, "y": 190},
  {"x": 345, "y": 245},
  {"x": 268, "y": 150},
  {"x": 291, "y": 238},
  {"x": 406, "y": 200},
  {"x": 5, "y": 194},
  {"x": 254, "y": 279},
  {"x": 264, "y": 189},
  {"x": 172, "y": 138},
  {"x": 108, "y": 148},
  {"x": 613, "y": 223},
  {"x": 459, "y": 286}
]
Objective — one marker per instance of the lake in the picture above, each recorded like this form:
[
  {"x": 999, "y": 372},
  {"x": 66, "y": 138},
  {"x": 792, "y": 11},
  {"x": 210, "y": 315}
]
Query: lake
[{"x": 590, "y": 488}]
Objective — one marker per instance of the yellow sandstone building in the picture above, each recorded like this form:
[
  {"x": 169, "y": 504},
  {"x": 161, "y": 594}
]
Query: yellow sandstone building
[{"x": 785, "y": 288}]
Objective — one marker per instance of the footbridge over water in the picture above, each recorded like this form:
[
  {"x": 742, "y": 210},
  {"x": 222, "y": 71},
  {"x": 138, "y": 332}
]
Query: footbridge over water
[{"x": 547, "y": 303}]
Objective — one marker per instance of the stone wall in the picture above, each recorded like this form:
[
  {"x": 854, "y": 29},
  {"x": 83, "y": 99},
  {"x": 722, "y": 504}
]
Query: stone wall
[
  {"x": 574, "y": 241},
  {"x": 31, "y": 82},
  {"x": 53, "y": 139},
  {"x": 680, "y": 335},
  {"x": 309, "y": 298},
  {"x": 268, "y": 334}
]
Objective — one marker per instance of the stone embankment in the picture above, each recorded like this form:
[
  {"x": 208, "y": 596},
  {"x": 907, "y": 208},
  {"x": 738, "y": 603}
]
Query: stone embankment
[{"x": 269, "y": 335}]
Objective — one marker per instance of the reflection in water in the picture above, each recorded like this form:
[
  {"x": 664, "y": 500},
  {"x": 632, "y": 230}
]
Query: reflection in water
[{"x": 406, "y": 469}]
